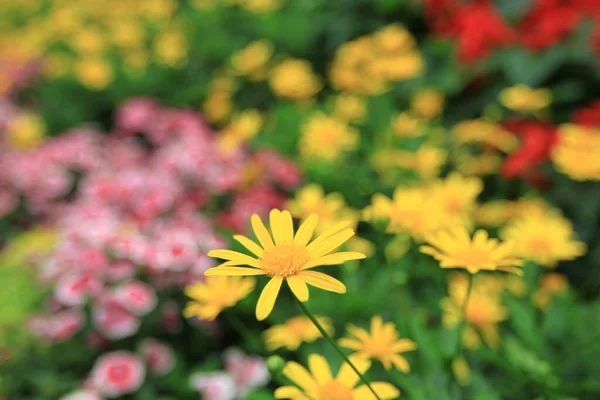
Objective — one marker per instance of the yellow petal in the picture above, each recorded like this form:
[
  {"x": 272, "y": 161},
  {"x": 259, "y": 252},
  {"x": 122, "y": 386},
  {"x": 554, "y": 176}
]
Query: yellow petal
[
  {"x": 319, "y": 368},
  {"x": 261, "y": 232},
  {"x": 220, "y": 271},
  {"x": 332, "y": 243},
  {"x": 290, "y": 392},
  {"x": 298, "y": 287},
  {"x": 384, "y": 390},
  {"x": 275, "y": 220},
  {"x": 401, "y": 363},
  {"x": 249, "y": 244},
  {"x": 234, "y": 256},
  {"x": 287, "y": 227},
  {"x": 300, "y": 376},
  {"x": 306, "y": 230},
  {"x": 334, "y": 259},
  {"x": 350, "y": 344},
  {"x": 347, "y": 376},
  {"x": 322, "y": 281},
  {"x": 267, "y": 298},
  {"x": 327, "y": 234}
]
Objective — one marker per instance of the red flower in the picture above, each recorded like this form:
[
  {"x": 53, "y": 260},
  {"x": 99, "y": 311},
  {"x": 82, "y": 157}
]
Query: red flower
[
  {"x": 548, "y": 22},
  {"x": 588, "y": 116},
  {"x": 158, "y": 356},
  {"x": 118, "y": 373},
  {"x": 537, "y": 140}
]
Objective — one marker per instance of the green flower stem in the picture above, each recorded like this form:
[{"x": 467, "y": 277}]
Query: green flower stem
[
  {"x": 336, "y": 347},
  {"x": 461, "y": 324},
  {"x": 244, "y": 331}
]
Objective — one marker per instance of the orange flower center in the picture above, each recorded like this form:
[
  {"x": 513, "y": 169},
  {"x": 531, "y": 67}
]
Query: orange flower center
[
  {"x": 473, "y": 256},
  {"x": 335, "y": 390},
  {"x": 284, "y": 260},
  {"x": 378, "y": 347},
  {"x": 478, "y": 314},
  {"x": 540, "y": 245}
]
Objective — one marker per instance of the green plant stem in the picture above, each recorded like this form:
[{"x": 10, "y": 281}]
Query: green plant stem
[
  {"x": 463, "y": 312},
  {"x": 336, "y": 347},
  {"x": 243, "y": 330}
]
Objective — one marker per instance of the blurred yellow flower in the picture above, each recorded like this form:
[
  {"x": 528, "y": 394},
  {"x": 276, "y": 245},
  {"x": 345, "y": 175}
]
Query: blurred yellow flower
[
  {"x": 318, "y": 383},
  {"x": 217, "y": 106},
  {"x": 406, "y": 125},
  {"x": 252, "y": 60},
  {"x": 426, "y": 161},
  {"x": 455, "y": 249},
  {"x": 523, "y": 98},
  {"x": 294, "y": 79},
  {"x": 457, "y": 196},
  {"x": 126, "y": 33},
  {"x": 361, "y": 245},
  {"x": 545, "y": 238},
  {"x": 412, "y": 211},
  {"x": 381, "y": 343},
  {"x": 394, "y": 38},
  {"x": 577, "y": 153},
  {"x": 242, "y": 128},
  {"x": 261, "y": 6},
  {"x": 478, "y": 165},
  {"x": 294, "y": 332},
  {"x": 214, "y": 294},
  {"x": 330, "y": 208},
  {"x": 326, "y": 138},
  {"x": 170, "y": 47},
  {"x": 94, "y": 73},
  {"x": 427, "y": 104},
  {"x": 282, "y": 255},
  {"x": 461, "y": 371},
  {"x": 26, "y": 131},
  {"x": 551, "y": 284},
  {"x": 350, "y": 108},
  {"x": 485, "y": 132},
  {"x": 89, "y": 41},
  {"x": 483, "y": 311}
]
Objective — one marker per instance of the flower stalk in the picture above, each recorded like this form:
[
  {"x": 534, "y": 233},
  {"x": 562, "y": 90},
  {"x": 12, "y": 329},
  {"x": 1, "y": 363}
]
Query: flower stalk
[
  {"x": 336, "y": 347},
  {"x": 461, "y": 324}
]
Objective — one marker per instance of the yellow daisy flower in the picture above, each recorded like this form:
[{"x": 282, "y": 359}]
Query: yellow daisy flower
[
  {"x": 456, "y": 249},
  {"x": 381, "y": 343},
  {"x": 282, "y": 255},
  {"x": 326, "y": 138},
  {"x": 577, "y": 153},
  {"x": 457, "y": 196},
  {"x": 545, "y": 238},
  {"x": 483, "y": 311},
  {"x": 216, "y": 293},
  {"x": 294, "y": 332},
  {"x": 524, "y": 98},
  {"x": 318, "y": 382}
]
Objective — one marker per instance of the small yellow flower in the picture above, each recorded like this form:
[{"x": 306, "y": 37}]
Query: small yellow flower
[
  {"x": 456, "y": 249},
  {"x": 211, "y": 297},
  {"x": 484, "y": 132},
  {"x": 282, "y": 255},
  {"x": 94, "y": 73},
  {"x": 426, "y": 161},
  {"x": 89, "y": 41},
  {"x": 427, "y": 103},
  {"x": 551, "y": 284},
  {"x": 381, "y": 343},
  {"x": 217, "y": 106},
  {"x": 577, "y": 154},
  {"x": 330, "y": 208},
  {"x": 261, "y": 6},
  {"x": 405, "y": 125},
  {"x": 26, "y": 131},
  {"x": 318, "y": 383},
  {"x": 126, "y": 33},
  {"x": 243, "y": 128},
  {"x": 523, "y": 98},
  {"x": 350, "y": 108},
  {"x": 326, "y": 138},
  {"x": 483, "y": 312},
  {"x": 170, "y": 48},
  {"x": 252, "y": 60},
  {"x": 461, "y": 370},
  {"x": 294, "y": 332},
  {"x": 294, "y": 79},
  {"x": 478, "y": 165},
  {"x": 394, "y": 38},
  {"x": 457, "y": 196},
  {"x": 412, "y": 211},
  {"x": 545, "y": 238}
]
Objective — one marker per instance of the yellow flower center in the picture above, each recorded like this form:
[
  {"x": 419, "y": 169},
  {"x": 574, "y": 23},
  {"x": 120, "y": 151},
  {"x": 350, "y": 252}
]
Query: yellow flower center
[
  {"x": 335, "y": 390},
  {"x": 540, "y": 245},
  {"x": 378, "y": 347},
  {"x": 284, "y": 260},
  {"x": 478, "y": 314}
]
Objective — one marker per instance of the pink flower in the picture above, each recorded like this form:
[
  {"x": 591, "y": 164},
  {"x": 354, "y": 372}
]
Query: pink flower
[
  {"x": 158, "y": 356},
  {"x": 119, "y": 270},
  {"x": 113, "y": 320},
  {"x": 73, "y": 289},
  {"x": 84, "y": 394},
  {"x": 214, "y": 385},
  {"x": 118, "y": 373},
  {"x": 136, "y": 115},
  {"x": 66, "y": 324},
  {"x": 281, "y": 170},
  {"x": 137, "y": 297},
  {"x": 247, "y": 372},
  {"x": 171, "y": 317},
  {"x": 176, "y": 249}
]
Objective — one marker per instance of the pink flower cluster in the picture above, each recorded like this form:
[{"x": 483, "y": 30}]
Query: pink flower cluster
[
  {"x": 135, "y": 211},
  {"x": 241, "y": 375}
]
